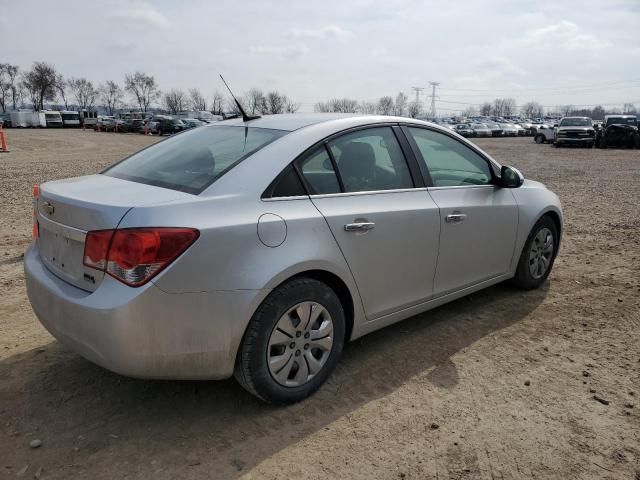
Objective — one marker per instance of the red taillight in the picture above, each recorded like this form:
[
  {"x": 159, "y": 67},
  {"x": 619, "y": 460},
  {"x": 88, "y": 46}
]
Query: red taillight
[
  {"x": 96, "y": 248},
  {"x": 135, "y": 255}
]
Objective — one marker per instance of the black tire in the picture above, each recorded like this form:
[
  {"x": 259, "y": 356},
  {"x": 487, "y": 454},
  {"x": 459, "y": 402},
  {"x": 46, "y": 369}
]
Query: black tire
[
  {"x": 523, "y": 277},
  {"x": 539, "y": 139},
  {"x": 252, "y": 370}
]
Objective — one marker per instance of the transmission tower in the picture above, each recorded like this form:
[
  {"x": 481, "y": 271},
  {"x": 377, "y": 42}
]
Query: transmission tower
[
  {"x": 418, "y": 91},
  {"x": 433, "y": 99}
]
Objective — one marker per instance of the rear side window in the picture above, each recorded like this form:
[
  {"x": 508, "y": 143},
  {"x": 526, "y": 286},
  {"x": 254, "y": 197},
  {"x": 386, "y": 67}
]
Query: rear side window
[
  {"x": 370, "y": 160},
  {"x": 450, "y": 163},
  {"x": 193, "y": 160},
  {"x": 318, "y": 172}
]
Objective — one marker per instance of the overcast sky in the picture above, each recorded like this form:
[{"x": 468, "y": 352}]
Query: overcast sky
[{"x": 555, "y": 52}]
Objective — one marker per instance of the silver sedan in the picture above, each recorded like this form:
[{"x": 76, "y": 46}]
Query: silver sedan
[{"x": 258, "y": 248}]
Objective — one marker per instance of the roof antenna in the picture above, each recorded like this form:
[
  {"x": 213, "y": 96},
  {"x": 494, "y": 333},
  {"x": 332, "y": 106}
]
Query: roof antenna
[{"x": 245, "y": 117}]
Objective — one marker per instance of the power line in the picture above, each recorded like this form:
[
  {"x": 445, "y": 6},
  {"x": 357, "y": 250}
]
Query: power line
[
  {"x": 544, "y": 88},
  {"x": 433, "y": 85},
  {"x": 418, "y": 91}
]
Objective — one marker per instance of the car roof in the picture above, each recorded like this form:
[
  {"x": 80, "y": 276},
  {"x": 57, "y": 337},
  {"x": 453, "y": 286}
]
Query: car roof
[{"x": 295, "y": 121}]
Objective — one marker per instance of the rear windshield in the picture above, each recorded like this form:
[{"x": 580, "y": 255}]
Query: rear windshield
[{"x": 193, "y": 160}]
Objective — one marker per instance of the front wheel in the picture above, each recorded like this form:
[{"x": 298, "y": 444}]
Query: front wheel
[
  {"x": 538, "y": 255},
  {"x": 539, "y": 139},
  {"x": 293, "y": 342}
]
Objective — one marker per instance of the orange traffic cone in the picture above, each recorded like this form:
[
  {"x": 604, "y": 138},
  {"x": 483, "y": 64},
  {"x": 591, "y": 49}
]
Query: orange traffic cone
[{"x": 3, "y": 141}]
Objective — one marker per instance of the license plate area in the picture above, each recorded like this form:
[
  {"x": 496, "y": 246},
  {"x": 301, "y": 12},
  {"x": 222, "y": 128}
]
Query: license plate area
[{"x": 61, "y": 249}]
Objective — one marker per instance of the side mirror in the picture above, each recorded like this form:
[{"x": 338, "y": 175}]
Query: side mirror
[
  {"x": 555, "y": 125},
  {"x": 510, "y": 177}
]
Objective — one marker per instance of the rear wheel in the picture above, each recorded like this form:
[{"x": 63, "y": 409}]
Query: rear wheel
[
  {"x": 539, "y": 139},
  {"x": 538, "y": 255},
  {"x": 292, "y": 343}
]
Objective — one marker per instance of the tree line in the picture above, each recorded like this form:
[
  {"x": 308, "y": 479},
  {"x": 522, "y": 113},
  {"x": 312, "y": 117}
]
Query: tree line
[
  {"x": 44, "y": 84},
  {"x": 500, "y": 107}
]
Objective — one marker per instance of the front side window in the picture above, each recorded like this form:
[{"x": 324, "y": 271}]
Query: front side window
[
  {"x": 450, "y": 162},
  {"x": 193, "y": 160},
  {"x": 370, "y": 160}
]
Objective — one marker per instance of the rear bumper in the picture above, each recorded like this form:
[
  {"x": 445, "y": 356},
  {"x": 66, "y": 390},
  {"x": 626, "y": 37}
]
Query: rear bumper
[{"x": 142, "y": 332}]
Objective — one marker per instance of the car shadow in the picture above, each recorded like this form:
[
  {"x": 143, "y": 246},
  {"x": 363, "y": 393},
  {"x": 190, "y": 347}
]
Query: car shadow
[{"x": 87, "y": 417}]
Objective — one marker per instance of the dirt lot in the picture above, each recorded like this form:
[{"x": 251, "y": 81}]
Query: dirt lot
[{"x": 497, "y": 385}]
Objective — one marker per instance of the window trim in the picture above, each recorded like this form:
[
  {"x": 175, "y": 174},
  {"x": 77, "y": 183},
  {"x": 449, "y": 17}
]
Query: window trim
[{"x": 494, "y": 167}]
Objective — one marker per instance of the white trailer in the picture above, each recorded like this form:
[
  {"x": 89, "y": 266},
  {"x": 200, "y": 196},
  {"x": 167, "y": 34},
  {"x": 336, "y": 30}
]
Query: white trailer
[
  {"x": 70, "y": 119},
  {"x": 23, "y": 119}
]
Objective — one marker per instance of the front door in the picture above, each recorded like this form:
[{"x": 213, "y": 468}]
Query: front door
[{"x": 478, "y": 220}]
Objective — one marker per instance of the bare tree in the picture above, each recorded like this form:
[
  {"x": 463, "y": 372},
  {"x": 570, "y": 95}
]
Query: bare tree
[
  {"x": 629, "y": 108},
  {"x": 5, "y": 86},
  {"x": 175, "y": 101},
  {"x": 401, "y": 105},
  {"x": 367, "y": 108},
  {"x": 41, "y": 82},
  {"x": 415, "y": 109},
  {"x": 566, "y": 110},
  {"x": 143, "y": 87},
  {"x": 485, "y": 109},
  {"x": 16, "y": 89},
  {"x": 84, "y": 92},
  {"x": 470, "y": 111},
  {"x": 510, "y": 106},
  {"x": 340, "y": 105},
  {"x": 532, "y": 110},
  {"x": 217, "y": 103},
  {"x": 385, "y": 106},
  {"x": 255, "y": 101},
  {"x": 9, "y": 83},
  {"x": 290, "y": 106},
  {"x": 198, "y": 101},
  {"x": 111, "y": 95},
  {"x": 275, "y": 102}
]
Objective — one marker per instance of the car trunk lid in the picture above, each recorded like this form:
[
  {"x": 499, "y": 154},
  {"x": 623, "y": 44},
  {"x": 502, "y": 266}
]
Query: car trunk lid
[{"x": 68, "y": 209}]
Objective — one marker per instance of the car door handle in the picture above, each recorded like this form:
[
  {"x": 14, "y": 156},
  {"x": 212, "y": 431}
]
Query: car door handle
[
  {"x": 455, "y": 217},
  {"x": 359, "y": 227}
]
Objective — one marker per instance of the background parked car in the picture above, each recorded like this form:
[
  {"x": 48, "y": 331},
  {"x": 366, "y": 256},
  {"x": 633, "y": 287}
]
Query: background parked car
[
  {"x": 508, "y": 129},
  {"x": 132, "y": 125},
  {"x": 192, "y": 123},
  {"x": 544, "y": 134},
  {"x": 574, "y": 131},
  {"x": 481, "y": 130},
  {"x": 105, "y": 123},
  {"x": 618, "y": 131},
  {"x": 496, "y": 129},
  {"x": 465, "y": 130}
]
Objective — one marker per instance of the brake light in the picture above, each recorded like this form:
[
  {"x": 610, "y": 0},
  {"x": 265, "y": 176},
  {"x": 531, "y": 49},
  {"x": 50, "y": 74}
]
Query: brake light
[{"x": 135, "y": 255}]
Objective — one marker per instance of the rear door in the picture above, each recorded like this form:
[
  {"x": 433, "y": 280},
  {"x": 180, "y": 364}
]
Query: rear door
[
  {"x": 380, "y": 214},
  {"x": 479, "y": 220}
]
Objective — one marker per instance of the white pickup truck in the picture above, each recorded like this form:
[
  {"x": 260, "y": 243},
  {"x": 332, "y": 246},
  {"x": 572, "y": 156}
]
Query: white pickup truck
[{"x": 544, "y": 134}]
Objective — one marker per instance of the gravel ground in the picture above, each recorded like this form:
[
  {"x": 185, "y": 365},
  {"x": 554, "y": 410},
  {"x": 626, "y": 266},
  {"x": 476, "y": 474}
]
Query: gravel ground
[{"x": 502, "y": 384}]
